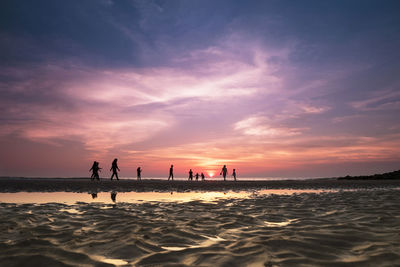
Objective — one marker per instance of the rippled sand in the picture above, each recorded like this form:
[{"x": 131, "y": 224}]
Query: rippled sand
[
  {"x": 328, "y": 229},
  {"x": 342, "y": 228}
]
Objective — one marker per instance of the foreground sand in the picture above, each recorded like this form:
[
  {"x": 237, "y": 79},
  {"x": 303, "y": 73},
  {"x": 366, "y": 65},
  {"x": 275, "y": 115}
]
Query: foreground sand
[
  {"x": 345, "y": 228},
  {"x": 86, "y": 185},
  {"x": 339, "y": 227}
]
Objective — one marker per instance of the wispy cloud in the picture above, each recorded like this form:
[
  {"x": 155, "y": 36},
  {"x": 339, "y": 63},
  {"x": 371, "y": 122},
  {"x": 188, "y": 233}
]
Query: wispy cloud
[
  {"x": 379, "y": 100},
  {"x": 259, "y": 126},
  {"x": 103, "y": 107}
]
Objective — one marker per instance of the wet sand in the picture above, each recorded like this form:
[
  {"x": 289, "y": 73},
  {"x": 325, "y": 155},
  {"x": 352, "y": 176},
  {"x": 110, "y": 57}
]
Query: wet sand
[
  {"x": 86, "y": 185},
  {"x": 345, "y": 228},
  {"x": 332, "y": 226}
]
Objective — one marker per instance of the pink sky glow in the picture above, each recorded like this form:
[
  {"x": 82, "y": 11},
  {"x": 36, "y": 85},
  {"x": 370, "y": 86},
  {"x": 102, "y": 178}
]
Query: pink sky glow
[{"x": 236, "y": 102}]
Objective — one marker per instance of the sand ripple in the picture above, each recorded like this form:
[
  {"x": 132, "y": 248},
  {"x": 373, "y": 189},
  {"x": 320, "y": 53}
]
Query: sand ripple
[{"x": 329, "y": 229}]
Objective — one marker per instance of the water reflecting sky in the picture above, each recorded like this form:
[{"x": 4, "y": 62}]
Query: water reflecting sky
[{"x": 135, "y": 197}]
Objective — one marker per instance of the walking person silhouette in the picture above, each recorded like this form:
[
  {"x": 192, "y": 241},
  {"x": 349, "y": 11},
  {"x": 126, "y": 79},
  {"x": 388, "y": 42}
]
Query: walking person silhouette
[
  {"x": 95, "y": 171},
  {"x": 223, "y": 172},
  {"x": 197, "y": 176},
  {"x": 234, "y": 174},
  {"x": 139, "y": 174},
  {"x": 190, "y": 175},
  {"x": 202, "y": 177},
  {"x": 114, "y": 168},
  {"x": 171, "y": 173}
]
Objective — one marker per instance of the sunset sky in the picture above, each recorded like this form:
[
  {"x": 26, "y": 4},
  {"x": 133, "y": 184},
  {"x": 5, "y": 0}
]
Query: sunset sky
[{"x": 271, "y": 88}]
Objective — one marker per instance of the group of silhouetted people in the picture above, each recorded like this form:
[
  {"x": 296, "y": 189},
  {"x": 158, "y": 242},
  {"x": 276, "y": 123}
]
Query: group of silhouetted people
[
  {"x": 95, "y": 170},
  {"x": 224, "y": 171},
  {"x": 203, "y": 178},
  {"x": 114, "y": 168}
]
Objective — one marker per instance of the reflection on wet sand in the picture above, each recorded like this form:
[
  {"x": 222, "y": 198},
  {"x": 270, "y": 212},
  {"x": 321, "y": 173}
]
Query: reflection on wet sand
[
  {"x": 134, "y": 197},
  {"x": 288, "y": 229},
  {"x": 114, "y": 196}
]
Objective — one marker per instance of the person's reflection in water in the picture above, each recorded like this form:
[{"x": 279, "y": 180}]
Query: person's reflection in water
[
  {"x": 203, "y": 178},
  {"x": 113, "y": 196},
  {"x": 94, "y": 195},
  {"x": 114, "y": 168}
]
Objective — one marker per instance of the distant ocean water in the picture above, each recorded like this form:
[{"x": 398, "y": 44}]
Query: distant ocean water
[
  {"x": 229, "y": 178},
  {"x": 185, "y": 178}
]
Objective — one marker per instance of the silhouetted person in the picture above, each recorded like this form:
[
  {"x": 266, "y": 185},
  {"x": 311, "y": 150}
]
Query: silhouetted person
[
  {"x": 190, "y": 175},
  {"x": 95, "y": 170},
  {"x": 114, "y": 168},
  {"x": 98, "y": 169},
  {"x": 234, "y": 174},
  {"x": 202, "y": 177},
  {"x": 223, "y": 172},
  {"x": 171, "y": 173},
  {"x": 92, "y": 169},
  {"x": 197, "y": 176},
  {"x": 139, "y": 174},
  {"x": 94, "y": 195},
  {"x": 113, "y": 196}
]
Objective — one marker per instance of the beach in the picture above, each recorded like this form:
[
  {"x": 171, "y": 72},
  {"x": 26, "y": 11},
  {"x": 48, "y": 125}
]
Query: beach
[
  {"x": 325, "y": 222},
  {"x": 10, "y": 184}
]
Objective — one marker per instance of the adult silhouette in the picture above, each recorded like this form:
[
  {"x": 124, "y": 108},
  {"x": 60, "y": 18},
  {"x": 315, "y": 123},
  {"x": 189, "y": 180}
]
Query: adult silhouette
[
  {"x": 92, "y": 169},
  {"x": 114, "y": 168},
  {"x": 234, "y": 174},
  {"x": 223, "y": 172},
  {"x": 139, "y": 173},
  {"x": 171, "y": 173},
  {"x": 190, "y": 175},
  {"x": 95, "y": 171},
  {"x": 202, "y": 176}
]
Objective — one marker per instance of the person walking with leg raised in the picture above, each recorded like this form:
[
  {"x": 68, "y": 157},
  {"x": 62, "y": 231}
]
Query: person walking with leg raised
[{"x": 171, "y": 173}]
